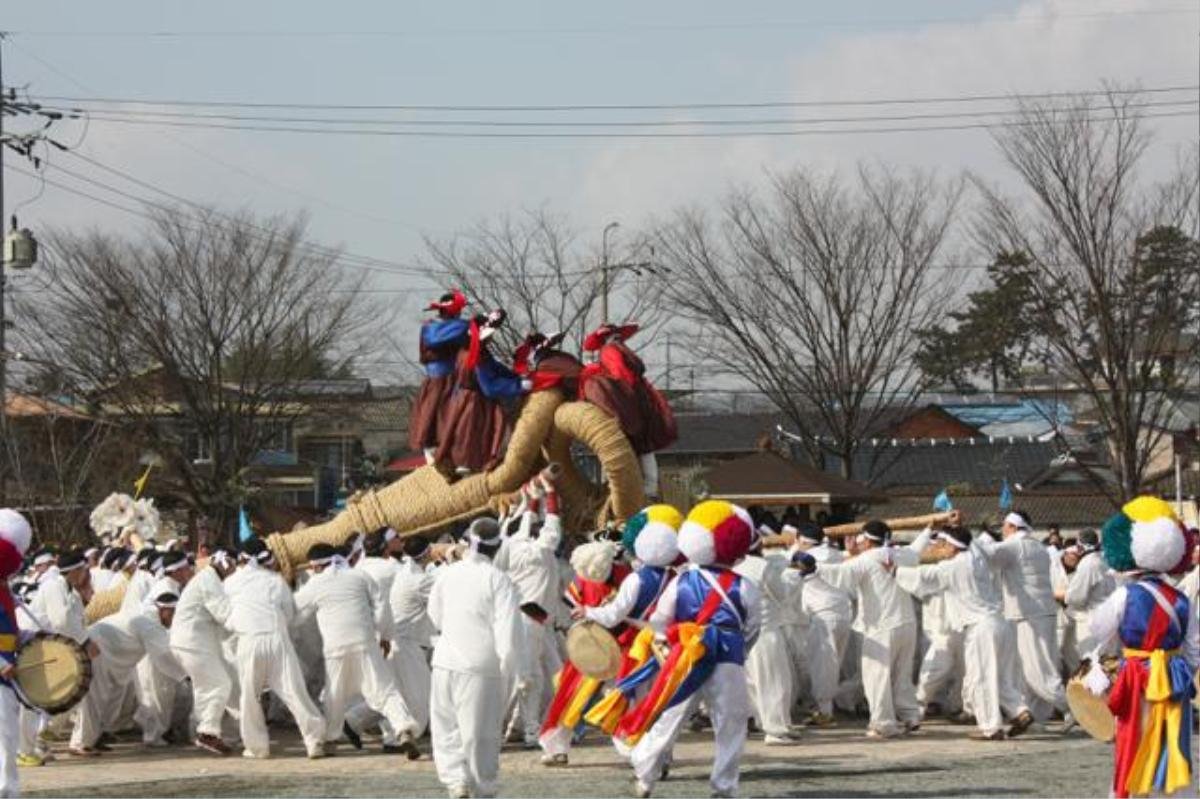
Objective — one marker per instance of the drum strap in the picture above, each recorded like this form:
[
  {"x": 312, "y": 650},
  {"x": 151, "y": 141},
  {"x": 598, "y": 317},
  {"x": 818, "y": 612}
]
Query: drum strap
[{"x": 719, "y": 594}]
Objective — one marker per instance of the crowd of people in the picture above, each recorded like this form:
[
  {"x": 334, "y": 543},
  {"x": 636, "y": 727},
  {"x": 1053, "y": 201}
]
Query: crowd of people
[
  {"x": 723, "y": 618},
  {"x": 464, "y": 642}
]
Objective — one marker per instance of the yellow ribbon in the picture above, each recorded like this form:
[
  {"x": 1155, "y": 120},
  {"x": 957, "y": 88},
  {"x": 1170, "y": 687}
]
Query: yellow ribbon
[
  {"x": 607, "y": 713},
  {"x": 1164, "y": 721},
  {"x": 8, "y": 642},
  {"x": 691, "y": 639}
]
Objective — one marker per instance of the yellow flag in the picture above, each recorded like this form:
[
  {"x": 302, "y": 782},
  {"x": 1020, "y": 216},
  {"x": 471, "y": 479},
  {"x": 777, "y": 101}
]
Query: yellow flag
[{"x": 139, "y": 485}]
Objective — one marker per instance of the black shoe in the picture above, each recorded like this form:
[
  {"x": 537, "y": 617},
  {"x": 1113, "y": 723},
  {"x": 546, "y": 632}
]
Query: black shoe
[
  {"x": 351, "y": 735},
  {"x": 408, "y": 745}
]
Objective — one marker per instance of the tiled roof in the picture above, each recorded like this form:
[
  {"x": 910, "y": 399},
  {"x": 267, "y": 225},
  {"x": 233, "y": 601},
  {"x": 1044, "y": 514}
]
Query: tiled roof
[
  {"x": 25, "y": 405},
  {"x": 1067, "y": 508},
  {"x": 981, "y": 463},
  {"x": 703, "y": 433},
  {"x": 766, "y": 474}
]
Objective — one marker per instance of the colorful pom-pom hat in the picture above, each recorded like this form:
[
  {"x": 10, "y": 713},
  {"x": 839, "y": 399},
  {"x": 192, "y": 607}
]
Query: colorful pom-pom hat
[
  {"x": 1146, "y": 534},
  {"x": 716, "y": 533},
  {"x": 652, "y": 534}
]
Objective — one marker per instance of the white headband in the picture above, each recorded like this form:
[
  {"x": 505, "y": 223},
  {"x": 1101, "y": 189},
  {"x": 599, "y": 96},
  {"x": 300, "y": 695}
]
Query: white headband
[
  {"x": 174, "y": 567},
  {"x": 220, "y": 558},
  {"x": 168, "y": 604},
  {"x": 389, "y": 535},
  {"x": 73, "y": 567},
  {"x": 43, "y": 559},
  {"x": 1016, "y": 520},
  {"x": 951, "y": 540}
]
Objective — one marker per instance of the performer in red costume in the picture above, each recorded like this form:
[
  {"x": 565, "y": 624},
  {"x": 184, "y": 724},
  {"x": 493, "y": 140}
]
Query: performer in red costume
[
  {"x": 616, "y": 383},
  {"x": 539, "y": 358},
  {"x": 14, "y": 540},
  {"x": 441, "y": 340},
  {"x": 597, "y": 578}
]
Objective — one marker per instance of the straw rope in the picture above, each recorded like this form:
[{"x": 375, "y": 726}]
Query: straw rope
[{"x": 105, "y": 603}]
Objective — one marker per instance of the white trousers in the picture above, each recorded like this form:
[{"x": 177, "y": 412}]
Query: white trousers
[
  {"x": 769, "y": 672},
  {"x": 10, "y": 741},
  {"x": 464, "y": 723},
  {"x": 887, "y": 662},
  {"x": 993, "y": 691},
  {"x": 827, "y": 636},
  {"x": 530, "y": 704},
  {"x": 942, "y": 670},
  {"x": 156, "y": 701},
  {"x": 213, "y": 688},
  {"x": 1037, "y": 653},
  {"x": 649, "y": 474},
  {"x": 410, "y": 668},
  {"x": 363, "y": 672},
  {"x": 728, "y": 704},
  {"x": 102, "y": 704},
  {"x": 31, "y": 724},
  {"x": 268, "y": 662}
]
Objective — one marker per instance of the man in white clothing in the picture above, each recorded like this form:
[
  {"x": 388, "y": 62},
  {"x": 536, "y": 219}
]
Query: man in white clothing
[
  {"x": 172, "y": 570},
  {"x": 528, "y": 557},
  {"x": 830, "y": 612},
  {"x": 1024, "y": 569},
  {"x": 768, "y": 662},
  {"x": 124, "y": 640},
  {"x": 197, "y": 636},
  {"x": 355, "y": 624},
  {"x": 261, "y": 610},
  {"x": 974, "y": 607},
  {"x": 888, "y": 624},
  {"x": 479, "y": 653},
  {"x": 1089, "y": 585}
]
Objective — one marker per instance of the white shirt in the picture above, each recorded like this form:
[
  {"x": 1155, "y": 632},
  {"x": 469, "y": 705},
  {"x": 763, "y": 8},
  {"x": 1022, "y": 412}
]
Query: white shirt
[
  {"x": 102, "y": 579},
  {"x": 968, "y": 585},
  {"x": 161, "y": 585},
  {"x": 125, "y": 638},
  {"x": 136, "y": 591},
  {"x": 882, "y": 604},
  {"x": 57, "y": 605},
  {"x": 350, "y": 612},
  {"x": 531, "y": 563},
  {"x": 1190, "y": 586},
  {"x": 260, "y": 602},
  {"x": 201, "y": 614},
  {"x": 776, "y": 584},
  {"x": 1089, "y": 585},
  {"x": 1024, "y": 567},
  {"x": 617, "y": 609},
  {"x": 475, "y": 608},
  {"x": 819, "y": 596},
  {"x": 409, "y": 601},
  {"x": 1106, "y": 621}
]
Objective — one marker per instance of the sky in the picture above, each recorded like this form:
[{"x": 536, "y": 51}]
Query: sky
[{"x": 378, "y": 196}]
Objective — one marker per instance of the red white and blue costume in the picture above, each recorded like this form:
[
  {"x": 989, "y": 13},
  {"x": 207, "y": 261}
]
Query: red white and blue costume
[
  {"x": 14, "y": 540},
  {"x": 710, "y": 617},
  {"x": 1156, "y": 626}
]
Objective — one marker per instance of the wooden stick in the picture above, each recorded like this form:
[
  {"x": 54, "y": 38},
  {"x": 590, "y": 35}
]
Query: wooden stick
[
  {"x": 854, "y": 528},
  {"x": 25, "y": 666}
]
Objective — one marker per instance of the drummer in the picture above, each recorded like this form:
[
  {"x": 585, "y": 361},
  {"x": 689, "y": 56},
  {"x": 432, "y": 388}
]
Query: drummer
[{"x": 14, "y": 540}]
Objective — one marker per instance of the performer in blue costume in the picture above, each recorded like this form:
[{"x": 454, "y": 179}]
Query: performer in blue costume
[
  {"x": 14, "y": 540},
  {"x": 441, "y": 340}
]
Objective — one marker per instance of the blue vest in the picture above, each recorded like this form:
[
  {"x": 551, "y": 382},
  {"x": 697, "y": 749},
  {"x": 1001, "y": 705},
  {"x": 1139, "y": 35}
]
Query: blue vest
[
  {"x": 1144, "y": 624},
  {"x": 692, "y": 590},
  {"x": 650, "y": 583}
]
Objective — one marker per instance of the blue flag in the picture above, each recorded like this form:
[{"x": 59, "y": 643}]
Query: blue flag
[
  {"x": 244, "y": 531},
  {"x": 941, "y": 502},
  {"x": 1006, "y": 499}
]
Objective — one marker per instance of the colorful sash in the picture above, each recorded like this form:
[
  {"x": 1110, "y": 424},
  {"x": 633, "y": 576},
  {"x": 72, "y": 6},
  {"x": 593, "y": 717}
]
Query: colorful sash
[{"x": 687, "y": 667}]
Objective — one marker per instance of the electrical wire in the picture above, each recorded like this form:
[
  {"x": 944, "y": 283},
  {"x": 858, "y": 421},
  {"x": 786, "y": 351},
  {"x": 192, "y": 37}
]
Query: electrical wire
[
  {"x": 115, "y": 114},
  {"x": 695, "y": 106}
]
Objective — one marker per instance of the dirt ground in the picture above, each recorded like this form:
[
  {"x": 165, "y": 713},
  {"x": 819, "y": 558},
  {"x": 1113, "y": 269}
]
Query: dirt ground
[{"x": 937, "y": 761}]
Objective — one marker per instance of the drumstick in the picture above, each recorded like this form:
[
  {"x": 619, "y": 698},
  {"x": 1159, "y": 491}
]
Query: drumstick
[{"x": 25, "y": 666}]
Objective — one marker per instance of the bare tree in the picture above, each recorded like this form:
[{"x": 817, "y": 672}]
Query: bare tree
[
  {"x": 1116, "y": 281},
  {"x": 536, "y": 268},
  {"x": 815, "y": 294},
  {"x": 192, "y": 335}
]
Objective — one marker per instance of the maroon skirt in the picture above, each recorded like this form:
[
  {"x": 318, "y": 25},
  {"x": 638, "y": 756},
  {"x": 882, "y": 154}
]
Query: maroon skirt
[
  {"x": 471, "y": 431},
  {"x": 643, "y": 413},
  {"x": 431, "y": 402}
]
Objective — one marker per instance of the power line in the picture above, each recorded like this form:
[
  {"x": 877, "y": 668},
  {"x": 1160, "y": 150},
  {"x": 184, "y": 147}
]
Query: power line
[
  {"x": 459, "y": 134},
  {"x": 690, "y": 106},
  {"x": 699, "y": 27},
  {"x": 118, "y": 114}
]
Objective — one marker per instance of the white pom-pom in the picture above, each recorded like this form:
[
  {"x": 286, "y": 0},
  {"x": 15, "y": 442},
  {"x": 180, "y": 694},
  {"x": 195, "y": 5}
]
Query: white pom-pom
[
  {"x": 657, "y": 544},
  {"x": 697, "y": 544},
  {"x": 1157, "y": 545},
  {"x": 593, "y": 561},
  {"x": 14, "y": 529}
]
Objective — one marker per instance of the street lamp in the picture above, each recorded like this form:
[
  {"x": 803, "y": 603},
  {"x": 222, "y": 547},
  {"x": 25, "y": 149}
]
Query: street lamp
[{"x": 609, "y": 228}]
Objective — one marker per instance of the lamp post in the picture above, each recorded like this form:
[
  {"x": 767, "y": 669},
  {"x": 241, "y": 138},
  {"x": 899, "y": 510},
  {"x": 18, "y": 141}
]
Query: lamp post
[{"x": 609, "y": 228}]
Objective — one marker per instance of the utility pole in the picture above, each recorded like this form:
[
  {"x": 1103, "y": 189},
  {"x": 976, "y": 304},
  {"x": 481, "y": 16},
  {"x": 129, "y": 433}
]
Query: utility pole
[
  {"x": 668, "y": 363},
  {"x": 609, "y": 228}
]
